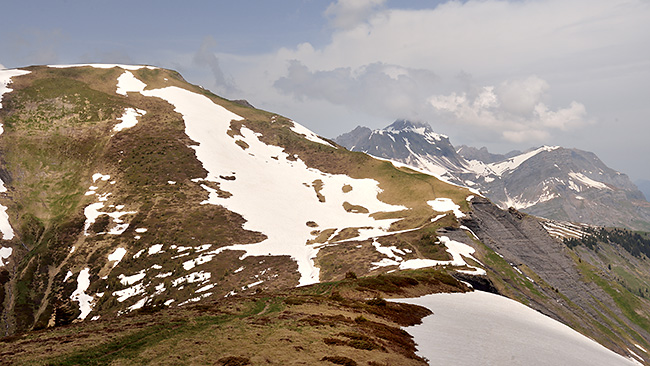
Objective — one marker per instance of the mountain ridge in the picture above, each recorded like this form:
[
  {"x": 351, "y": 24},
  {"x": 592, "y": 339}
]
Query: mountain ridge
[
  {"x": 130, "y": 191},
  {"x": 546, "y": 181}
]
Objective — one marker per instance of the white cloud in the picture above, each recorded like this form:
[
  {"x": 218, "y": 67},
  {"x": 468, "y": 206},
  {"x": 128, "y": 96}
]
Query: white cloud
[
  {"x": 347, "y": 14},
  {"x": 514, "y": 107},
  {"x": 205, "y": 57},
  {"x": 377, "y": 89},
  {"x": 549, "y": 62}
]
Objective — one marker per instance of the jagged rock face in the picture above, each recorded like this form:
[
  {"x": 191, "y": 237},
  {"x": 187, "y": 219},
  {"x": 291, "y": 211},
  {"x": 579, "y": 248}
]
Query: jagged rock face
[
  {"x": 524, "y": 243},
  {"x": 552, "y": 182}
]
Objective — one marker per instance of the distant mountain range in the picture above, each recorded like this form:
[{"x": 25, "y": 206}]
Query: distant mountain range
[{"x": 548, "y": 181}]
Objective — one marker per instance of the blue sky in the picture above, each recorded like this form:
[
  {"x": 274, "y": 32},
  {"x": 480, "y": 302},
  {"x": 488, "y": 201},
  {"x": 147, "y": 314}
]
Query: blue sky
[{"x": 502, "y": 74}]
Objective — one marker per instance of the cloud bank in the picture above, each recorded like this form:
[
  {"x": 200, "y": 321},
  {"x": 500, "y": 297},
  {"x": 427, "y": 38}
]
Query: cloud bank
[
  {"x": 515, "y": 108},
  {"x": 535, "y": 66}
]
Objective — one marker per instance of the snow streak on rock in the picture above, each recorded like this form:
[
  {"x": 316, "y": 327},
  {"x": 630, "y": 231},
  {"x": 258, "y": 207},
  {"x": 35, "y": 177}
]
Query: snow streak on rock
[
  {"x": 513, "y": 163},
  {"x": 79, "y": 295},
  {"x": 127, "y": 82},
  {"x": 459, "y": 251},
  {"x": 445, "y": 205}
]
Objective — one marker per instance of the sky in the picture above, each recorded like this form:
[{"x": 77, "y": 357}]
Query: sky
[{"x": 502, "y": 74}]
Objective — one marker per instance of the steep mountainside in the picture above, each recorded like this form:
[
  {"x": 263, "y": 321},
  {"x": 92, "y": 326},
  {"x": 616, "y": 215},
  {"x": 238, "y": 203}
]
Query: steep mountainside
[
  {"x": 128, "y": 192},
  {"x": 552, "y": 182},
  {"x": 126, "y": 187}
]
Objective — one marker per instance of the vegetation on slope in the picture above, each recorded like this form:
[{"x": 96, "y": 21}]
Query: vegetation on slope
[
  {"x": 59, "y": 133},
  {"x": 318, "y": 324}
]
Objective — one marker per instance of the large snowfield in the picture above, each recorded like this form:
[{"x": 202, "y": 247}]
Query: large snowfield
[{"x": 480, "y": 328}]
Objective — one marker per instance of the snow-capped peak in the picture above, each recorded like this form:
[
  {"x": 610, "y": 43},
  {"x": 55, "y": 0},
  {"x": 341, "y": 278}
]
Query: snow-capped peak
[{"x": 419, "y": 128}]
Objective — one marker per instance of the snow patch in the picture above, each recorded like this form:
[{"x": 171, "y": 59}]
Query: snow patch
[
  {"x": 5, "y": 253},
  {"x": 127, "y": 82},
  {"x": 79, "y": 295},
  {"x": 457, "y": 250},
  {"x": 129, "y": 119},
  {"x": 130, "y": 280},
  {"x": 208, "y": 123},
  {"x": 588, "y": 181},
  {"x": 123, "y": 295},
  {"x": 192, "y": 278},
  {"x": 500, "y": 331},
  {"x": 445, "y": 205},
  {"x": 309, "y": 135},
  {"x": 514, "y": 162},
  {"x": 5, "y": 80},
  {"x": 156, "y": 248},
  {"x": 116, "y": 256}
]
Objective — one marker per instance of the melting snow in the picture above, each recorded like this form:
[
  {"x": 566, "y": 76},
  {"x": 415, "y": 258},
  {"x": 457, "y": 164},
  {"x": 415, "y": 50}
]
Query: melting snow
[
  {"x": 302, "y": 130},
  {"x": 129, "y": 119},
  {"x": 197, "y": 261},
  {"x": 5, "y": 253},
  {"x": 79, "y": 295},
  {"x": 156, "y": 248},
  {"x": 5, "y": 80},
  {"x": 205, "y": 288},
  {"x": 192, "y": 277},
  {"x": 389, "y": 251},
  {"x": 457, "y": 250},
  {"x": 138, "y": 254},
  {"x": 129, "y": 292},
  {"x": 445, "y": 205},
  {"x": 270, "y": 208},
  {"x": 129, "y": 280},
  {"x": 252, "y": 284},
  {"x": 500, "y": 331},
  {"x": 513, "y": 163},
  {"x": 5, "y": 227},
  {"x": 100, "y": 176},
  {"x": 116, "y": 256},
  {"x": 127, "y": 82}
]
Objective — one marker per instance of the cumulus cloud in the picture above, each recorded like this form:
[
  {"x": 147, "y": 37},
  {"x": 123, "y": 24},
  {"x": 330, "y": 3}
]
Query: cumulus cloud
[
  {"x": 516, "y": 108},
  {"x": 346, "y": 14},
  {"x": 205, "y": 57},
  {"x": 378, "y": 89}
]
